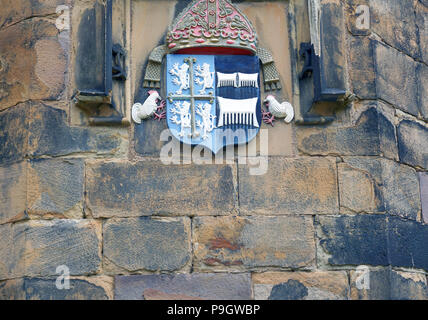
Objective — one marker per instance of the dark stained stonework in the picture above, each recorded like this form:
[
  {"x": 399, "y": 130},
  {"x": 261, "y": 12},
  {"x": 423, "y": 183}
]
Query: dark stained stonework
[
  {"x": 13, "y": 192},
  {"x": 37, "y": 129},
  {"x": 124, "y": 189},
  {"x": 290, "y": 290},
  {"x": 423, "y": 182},
  {"x": 195, "y": 286},
  {"x": 37, "y": 248},
  {"x": 407, "y": 243},
  {"x": 302, "y": 285},
  {"x": 401, "y": 190},
  {"x": 45, "y": 289},
  {"x": 353, "y": 240},
  {"x": 146, "y": 244},
  {"x": 362, "y": 65},
  {"x": 375, "y": 240},
  {"x": 413, "y": 143},
  {"x": 55, "y": 187},
  {"x": 394, "y": 22},
  {"x": 387, "y": 284},
  {"x": 365, "y": 138},
  {"x": 392, "y": 67}
]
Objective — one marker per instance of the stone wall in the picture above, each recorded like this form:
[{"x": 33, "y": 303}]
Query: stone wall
[{"x": 342, "y": 195}]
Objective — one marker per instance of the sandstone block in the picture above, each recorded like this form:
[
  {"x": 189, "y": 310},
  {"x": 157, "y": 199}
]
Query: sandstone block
[
  {"x": 407, "y": 241},
  {"x": 124, "y": 189},
  {"x": 85, "y": 288},
  {"x": 55, "y": 188},
  {"x": 392, "y": 67},
  {"x": 235, "y": 243},
  {"x": 353, "y": 240},
  {"x": 413, "y": 143},
  {"x": 146, "y": 244},
  {"x": 37, "y": 248},
  {"x": 372, "y": 134},
  {"x": 33, "y": 62},
  {"x": 194, "y": 286},
  {"x": 423, "y": 182},
  {"x": 290, "y": 186},
  {"x": 316, "y": 285},
  {"x": 13, "y": 183},
  {"x": 387, "y": 284}
]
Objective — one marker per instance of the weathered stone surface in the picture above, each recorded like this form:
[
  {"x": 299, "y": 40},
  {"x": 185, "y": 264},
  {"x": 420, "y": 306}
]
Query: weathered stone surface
[
  {"x": 13, "y": 134},
  {"x": 55, "y": 188},
  {"x": 373, "y": 185},
  {"x": 15, "y": 11},
  {"x": 146, "y": 244},
  {"x": 37, "y": 248},
  {"x": 290, "y": 186},
  {"x": 124, "y": 189},
  {"x": 93, "y": 288},
  {"x": 392, "y": 67},
  {"x": 423, "y": 183},
  {"x": 147, "y": 137},
  {"x": 13, "y": 186},
  {"x": 413, "y": 143},
  {"x": 36, "y": 129},
  {"x": 49, "y": 134},
  {"x": 394, "y": 22},
  {"x": 7, "y": 248},
  {"x": 316, "y": 285},
  {"x": 33, "y": 63},
  {"x": 361, "y": 64},
  {"x": 387, "y": 284},
  {"x": 407, "y": 243},
  {"x": 194, "y": 286},
  {"x": 235, "y": 243},
  {"x": 401, "y": 190},
  {"x": 353, "y": 18},
  {"x": 353, "y": 240},
  {"x": 421, "y": 22},
  {"x": 360, "y": 185},
  {"x": 422, "y": 73},
  {"x": 365, "y": 138}
]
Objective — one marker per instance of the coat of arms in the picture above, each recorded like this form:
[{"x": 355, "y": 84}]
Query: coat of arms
[{"x": 211, "y": 78}]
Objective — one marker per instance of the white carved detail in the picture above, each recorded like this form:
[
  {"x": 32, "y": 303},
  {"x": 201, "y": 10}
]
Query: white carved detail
[
  {"x": 237, "y": 111},
  {"x": 226, "y": 80},
  {"x": 208, "y": 120},
  {"x": 280, "y": 110},
  {"x": 182, "y": 77},
  {"x": 147, "y": 109},
  {"x": 238, "y": 79},
  {"x": 248, "y": 79},
  {"x": 181, "y": 110},
  {"x": 207, "y": 80}
]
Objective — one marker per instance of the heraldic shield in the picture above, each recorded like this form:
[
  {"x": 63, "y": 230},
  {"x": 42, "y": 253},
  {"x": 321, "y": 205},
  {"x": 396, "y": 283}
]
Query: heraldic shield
[{"x": 213, "y": 100}]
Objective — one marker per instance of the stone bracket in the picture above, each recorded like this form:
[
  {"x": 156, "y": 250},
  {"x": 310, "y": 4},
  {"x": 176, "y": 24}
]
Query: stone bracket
[
  {"x": 98, "y": 64},
  {"x": 322, "y": 79}
]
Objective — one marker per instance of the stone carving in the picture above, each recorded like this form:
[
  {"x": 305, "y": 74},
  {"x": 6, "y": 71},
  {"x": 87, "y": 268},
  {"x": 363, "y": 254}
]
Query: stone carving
[
  {"x": 280, "y": 110},
  {"x": 149, "y": 108},
  {"x": 182, "y": 110},
  {"x": 208, "y": 120},
  {"x": 182, "y": 77},
  {"x": 207, "y": 76}
]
